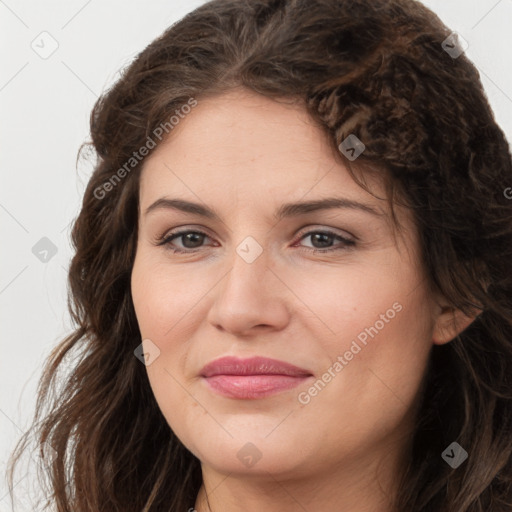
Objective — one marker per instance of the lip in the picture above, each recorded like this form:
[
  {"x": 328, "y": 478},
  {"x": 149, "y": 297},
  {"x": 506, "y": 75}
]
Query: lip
[{"x": 253, "y": 378}]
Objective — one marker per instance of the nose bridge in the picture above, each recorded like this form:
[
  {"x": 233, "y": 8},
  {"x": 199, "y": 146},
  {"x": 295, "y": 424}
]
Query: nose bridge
[
  {"x": 249, "y": 266},
  {"x": 249, "y": 294}
]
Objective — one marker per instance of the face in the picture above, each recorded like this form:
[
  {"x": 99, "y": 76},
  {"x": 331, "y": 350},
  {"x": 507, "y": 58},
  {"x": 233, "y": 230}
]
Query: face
[{"x": 328, "y": 290}]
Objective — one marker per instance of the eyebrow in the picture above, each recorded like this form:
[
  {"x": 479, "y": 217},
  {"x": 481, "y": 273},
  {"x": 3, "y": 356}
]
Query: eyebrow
[{"x": 286, "y": 210}]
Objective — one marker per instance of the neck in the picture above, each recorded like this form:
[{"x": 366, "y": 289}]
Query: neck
[{"x": 366, "y": 484}]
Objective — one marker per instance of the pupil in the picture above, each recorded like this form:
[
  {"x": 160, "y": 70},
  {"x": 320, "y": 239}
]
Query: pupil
[
  {"x": 317, "y": 235},
  {"x": 188, "y": 238}
]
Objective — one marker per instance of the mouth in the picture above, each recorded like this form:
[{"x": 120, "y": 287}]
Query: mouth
[{"x": 254, "y": 378}]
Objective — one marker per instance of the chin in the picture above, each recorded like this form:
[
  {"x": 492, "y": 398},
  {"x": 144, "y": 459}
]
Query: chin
[{"x": 250, "y": 453}]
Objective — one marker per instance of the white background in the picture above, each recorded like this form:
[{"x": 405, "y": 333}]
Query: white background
[{"x": 44, "y": 118}]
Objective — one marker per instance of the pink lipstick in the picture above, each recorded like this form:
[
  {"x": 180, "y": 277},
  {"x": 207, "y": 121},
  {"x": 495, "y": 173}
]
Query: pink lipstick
[{"x": 250, "y": 379}]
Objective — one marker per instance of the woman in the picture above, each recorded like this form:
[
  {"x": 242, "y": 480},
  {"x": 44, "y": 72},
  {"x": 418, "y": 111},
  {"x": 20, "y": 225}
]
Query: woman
[{"x": 292, "y": 279}]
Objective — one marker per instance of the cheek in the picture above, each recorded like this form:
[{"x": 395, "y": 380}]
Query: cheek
[
  {"x": 378, "y": 339},
  {"x": 166, "y": 305},
  {"x": 164, "y": 297},
  {"x": 378, "y": 365},
  {"x": 359, "y": 301}
]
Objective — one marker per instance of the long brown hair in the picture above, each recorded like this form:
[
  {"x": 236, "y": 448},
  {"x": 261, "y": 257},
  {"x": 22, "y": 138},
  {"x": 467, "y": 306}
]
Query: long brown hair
[{"x": 377, "y": 69}]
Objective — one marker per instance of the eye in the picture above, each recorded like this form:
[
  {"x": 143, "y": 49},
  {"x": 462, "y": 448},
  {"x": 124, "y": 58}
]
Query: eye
[
  {"x": 324, "y": 238},
  {"x": 192, "y": 240}
]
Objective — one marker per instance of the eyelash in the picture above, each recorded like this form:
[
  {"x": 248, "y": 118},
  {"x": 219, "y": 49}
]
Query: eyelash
[{"x": 166, "y": 241}]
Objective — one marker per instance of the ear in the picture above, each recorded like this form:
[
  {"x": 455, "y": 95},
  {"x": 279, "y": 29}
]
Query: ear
[{"x": 450, "y": 322}]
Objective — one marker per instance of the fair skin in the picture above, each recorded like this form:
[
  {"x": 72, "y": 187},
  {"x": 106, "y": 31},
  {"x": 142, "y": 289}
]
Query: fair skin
[{"x": 244, "y": 156}]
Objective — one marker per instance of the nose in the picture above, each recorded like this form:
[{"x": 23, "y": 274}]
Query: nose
[{"x": 251, "y": 297}]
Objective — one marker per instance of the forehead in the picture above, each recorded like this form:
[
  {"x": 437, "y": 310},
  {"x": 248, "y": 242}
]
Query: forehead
[{"x": 243, "y": 144}]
